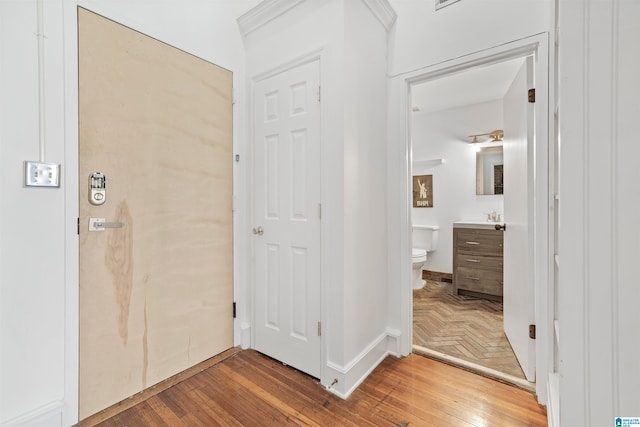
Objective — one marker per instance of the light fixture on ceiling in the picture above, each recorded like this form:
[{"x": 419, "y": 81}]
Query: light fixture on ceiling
[{"x": 496, "y": 136}]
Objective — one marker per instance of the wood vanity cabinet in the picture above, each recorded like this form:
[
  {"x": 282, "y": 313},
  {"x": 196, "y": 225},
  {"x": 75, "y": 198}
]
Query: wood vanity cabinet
[{"x": 478, "y": 262}]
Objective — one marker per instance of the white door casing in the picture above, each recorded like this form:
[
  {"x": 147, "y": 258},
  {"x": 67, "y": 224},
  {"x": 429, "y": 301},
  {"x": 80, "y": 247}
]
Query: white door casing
[
  {"x": 519, "y": 292},
  {"x": 286, "y": 146}
]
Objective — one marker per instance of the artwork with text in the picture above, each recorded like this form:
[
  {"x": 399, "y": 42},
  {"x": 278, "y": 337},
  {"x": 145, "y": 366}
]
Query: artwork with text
[{"x": 423, "y": 191}]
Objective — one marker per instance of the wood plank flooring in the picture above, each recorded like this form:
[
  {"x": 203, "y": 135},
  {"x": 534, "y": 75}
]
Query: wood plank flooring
[
  {"x": 250, "y": 389},
  {"x": 464, "y": 327}
]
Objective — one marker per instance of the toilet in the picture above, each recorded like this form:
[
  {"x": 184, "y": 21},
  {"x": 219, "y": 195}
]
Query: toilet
[{"x": 425, "y": 239}]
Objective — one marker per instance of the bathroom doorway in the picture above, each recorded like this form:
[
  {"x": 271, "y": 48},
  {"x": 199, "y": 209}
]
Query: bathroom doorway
[{"x": 446, "y": 108}]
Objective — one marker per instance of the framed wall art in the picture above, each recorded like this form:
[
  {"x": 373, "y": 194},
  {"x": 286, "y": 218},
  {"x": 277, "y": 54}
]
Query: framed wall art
[{"x": 423, "y": 191}]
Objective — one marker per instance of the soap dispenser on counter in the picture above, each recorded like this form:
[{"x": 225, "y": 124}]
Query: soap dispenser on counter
[{"x": 493, "y": 217}]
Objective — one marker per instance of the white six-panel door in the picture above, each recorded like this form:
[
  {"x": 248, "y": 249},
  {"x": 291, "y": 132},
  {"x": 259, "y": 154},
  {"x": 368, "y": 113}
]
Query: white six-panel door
[{"x": 287, "y": 217}]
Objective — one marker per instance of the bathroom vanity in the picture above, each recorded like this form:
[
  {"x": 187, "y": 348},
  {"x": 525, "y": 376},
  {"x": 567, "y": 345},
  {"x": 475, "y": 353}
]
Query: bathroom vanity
[{"x": 478, "y": 259}]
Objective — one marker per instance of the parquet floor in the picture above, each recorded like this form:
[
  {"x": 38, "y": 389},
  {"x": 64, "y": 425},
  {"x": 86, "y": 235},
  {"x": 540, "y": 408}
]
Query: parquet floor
[
  {"x": 463, "y": 327},
  {"x": 250, "y": 389}
]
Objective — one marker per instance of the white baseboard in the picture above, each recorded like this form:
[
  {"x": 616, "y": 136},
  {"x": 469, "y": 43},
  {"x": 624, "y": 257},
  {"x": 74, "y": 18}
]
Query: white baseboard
[
  {"x": 245, "y": 335},
  {"x": 393, "y": 342},
  {"x": 553, "y": 396},
  {"x": 348, "y": 377},
  {"x": 49, "y": 415}
]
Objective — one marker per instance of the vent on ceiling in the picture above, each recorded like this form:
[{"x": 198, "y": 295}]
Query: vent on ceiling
[{"x": 442, "y": 3}]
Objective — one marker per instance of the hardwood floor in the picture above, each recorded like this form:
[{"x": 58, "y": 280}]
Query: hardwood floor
[
  {"x": 463, "y": 327},
  {"x": 250, "y": 389}
]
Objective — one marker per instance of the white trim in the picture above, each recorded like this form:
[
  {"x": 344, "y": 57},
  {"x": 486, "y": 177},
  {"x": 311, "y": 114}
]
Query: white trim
[
  {"x": 245, "y": 335},
  {"x": 383, "y": 11},
  {"x": 351, "y": 375},
  {"x": 71, "y": 212},
  {"x": 553, "y": 401},
  {"x": 313, "y": 55},
  {"x": 393, "y": 341},
  {"x": 537, "y": 45},
  {"x": 269, "y": 10},
  {"x": 47, "y": 415},
  {"x": 263, "y": 13}
]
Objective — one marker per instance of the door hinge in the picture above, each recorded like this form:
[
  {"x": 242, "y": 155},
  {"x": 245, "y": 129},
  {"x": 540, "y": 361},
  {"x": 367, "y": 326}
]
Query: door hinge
[
  {"x": 318, "y": 93},
  {"x": 532, "y": 332},
  {"x": 234, "y": 310},
  {"x": 319, "y": 329},
  {"x": 234, "y": 96},
  {"x": 78, "y": 226},
  {"x": 532, "y": 95}
]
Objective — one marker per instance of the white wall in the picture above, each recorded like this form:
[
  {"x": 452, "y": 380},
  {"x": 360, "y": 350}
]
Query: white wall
[
  {"x": 444, "y": 135},
  {"x": 599, "y": 231},
  {"x": 365, "y": 215},
  {"x": 38, "y": 241},
  {"x": 353, "y": 112},
  {"x": 32, "y": 240},
  {"x": 423, "y": 36}
]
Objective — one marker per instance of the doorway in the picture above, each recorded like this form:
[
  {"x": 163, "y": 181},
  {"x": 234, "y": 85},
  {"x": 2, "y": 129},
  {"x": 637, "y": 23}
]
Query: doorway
[
  {"x": 537, "y": 193},
  {"x": 155, "y": 211}
]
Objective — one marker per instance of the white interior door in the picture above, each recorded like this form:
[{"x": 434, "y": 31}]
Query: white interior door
[
  {"x": 287, "y": 217},
  {"x": 519, "y": 294}
]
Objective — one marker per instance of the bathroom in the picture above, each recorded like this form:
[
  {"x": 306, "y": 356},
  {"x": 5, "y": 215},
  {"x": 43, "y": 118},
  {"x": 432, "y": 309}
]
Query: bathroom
[{"x": 448, "y": 158}]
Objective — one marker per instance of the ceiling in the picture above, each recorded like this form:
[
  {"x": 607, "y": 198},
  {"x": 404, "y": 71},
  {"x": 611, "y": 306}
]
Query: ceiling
[{"x": 473, "y": 86}]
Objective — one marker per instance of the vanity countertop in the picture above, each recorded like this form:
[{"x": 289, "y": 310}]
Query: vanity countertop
[{"x": 477, "y": 224}]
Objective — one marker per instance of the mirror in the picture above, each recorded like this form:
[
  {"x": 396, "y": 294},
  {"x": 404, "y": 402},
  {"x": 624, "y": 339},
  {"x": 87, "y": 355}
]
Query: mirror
[{"x": 489, "y": 171}]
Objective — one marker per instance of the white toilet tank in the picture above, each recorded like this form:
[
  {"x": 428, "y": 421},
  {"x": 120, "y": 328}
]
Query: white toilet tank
[{"x": 425, "y": 237}]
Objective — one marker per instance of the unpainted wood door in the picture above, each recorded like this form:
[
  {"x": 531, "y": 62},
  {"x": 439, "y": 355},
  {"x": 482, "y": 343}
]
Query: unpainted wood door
[
  {"x": 156, "y": 286},
  {"x": 287, "y": 217}
]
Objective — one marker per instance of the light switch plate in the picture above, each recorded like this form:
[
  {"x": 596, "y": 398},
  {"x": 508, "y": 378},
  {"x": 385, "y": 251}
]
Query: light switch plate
[{"x": 41, "y": 174}]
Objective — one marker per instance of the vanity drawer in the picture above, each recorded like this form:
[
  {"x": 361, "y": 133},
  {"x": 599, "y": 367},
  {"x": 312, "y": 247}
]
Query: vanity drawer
[
  {"x": 479, "y": 242},
  {"x": 482, "y": 281},
  {"x": 480, "y": 262}
]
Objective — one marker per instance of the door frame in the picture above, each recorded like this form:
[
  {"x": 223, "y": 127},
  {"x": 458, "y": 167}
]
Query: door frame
[
  {"x": 255, "y": 77},
  {"x": 536, "y": 45}
]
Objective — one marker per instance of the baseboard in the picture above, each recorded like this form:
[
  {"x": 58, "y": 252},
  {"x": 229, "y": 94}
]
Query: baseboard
[
  {"x": 49, "y": 415},
  {"x": 348, "y": 377},
  {"x": 245, "y": 335},
  {"x": 436, "y": 276},
  {"x": 393, "y": 342},
  {"x": 553, "y": 395},
  {"x": 155, "y": 389}
]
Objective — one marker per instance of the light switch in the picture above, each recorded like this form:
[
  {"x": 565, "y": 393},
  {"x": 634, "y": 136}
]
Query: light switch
[{"x": 41, "y": 174}]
